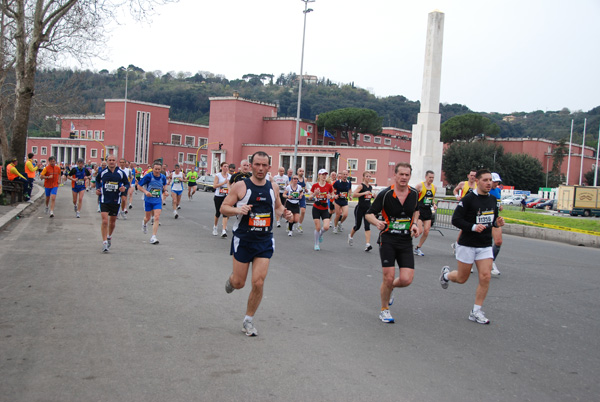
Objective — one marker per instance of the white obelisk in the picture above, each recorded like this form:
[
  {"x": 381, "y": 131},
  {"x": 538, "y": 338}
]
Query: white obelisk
[{"x": 426, "y": 148}]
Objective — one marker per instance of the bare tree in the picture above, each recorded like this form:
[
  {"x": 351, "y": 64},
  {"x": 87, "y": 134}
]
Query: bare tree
[{"x": 35, "y": 31}]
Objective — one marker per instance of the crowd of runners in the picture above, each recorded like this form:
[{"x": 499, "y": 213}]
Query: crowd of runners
[{"x": 259, "y": 202}]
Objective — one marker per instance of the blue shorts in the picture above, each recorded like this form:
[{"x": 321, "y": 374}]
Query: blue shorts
[
  {"x": 150, "y": 205},
  {"x": 178, "y": 192},
  {"x": 303, "y": 202},
  {"x": 78, "y": 189},
  {"x": 50, "y": 191},
  {"x": 246, "y": 251}
]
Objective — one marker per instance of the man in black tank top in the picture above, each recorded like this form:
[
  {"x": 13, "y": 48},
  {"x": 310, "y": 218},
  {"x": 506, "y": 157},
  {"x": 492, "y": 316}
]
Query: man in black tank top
[{"x": 255, "y": 201}]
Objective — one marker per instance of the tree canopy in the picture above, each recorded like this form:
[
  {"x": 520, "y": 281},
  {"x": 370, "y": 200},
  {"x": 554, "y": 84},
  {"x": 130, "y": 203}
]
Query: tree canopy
[
  {"x": 466, "y": 127},
  {"x": 351, "y": 121}
]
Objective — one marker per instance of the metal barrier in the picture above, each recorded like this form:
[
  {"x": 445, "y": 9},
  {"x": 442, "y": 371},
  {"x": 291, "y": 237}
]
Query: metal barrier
[{"x": 442, "y": 219}]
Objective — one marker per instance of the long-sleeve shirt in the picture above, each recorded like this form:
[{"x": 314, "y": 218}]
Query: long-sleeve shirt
[
  {"x": 472, "y": 210},
  {"x": 109, "y": 183}
]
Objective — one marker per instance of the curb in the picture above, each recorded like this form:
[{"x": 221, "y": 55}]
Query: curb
[
  {"x": 532, "y": 232},
  {"x": 19, "y": 208}
]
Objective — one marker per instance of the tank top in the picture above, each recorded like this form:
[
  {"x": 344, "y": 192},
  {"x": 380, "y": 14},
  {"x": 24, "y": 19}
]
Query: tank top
[
  {"x": 426, "y": 195},
  {"x": 224, "y": 190},
  {"x": 177, "y": 181},
  {"x": 364, "y": 201},
  {"x": 466, "y": 189},
  {"x": 294, "y": 196},
  {"x": 257, "y": 225}
]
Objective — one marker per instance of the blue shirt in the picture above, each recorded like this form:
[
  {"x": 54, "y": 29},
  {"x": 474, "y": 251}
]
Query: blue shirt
[
  {"x": 109, "y": 183},
  {"x": 154, "y": 185}
]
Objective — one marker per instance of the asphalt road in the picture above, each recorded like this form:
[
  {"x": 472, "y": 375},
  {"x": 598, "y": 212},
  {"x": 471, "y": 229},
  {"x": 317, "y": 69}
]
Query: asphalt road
[{"x": 153, "y": 322}]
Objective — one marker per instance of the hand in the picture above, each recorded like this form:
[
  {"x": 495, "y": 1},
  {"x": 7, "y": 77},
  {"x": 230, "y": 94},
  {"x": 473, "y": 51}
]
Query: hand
[
  {"x": 98, "y": 192},
  {"x": 244, "y": 209},
  {"x": 458, "y": 197},
  {"x": 122, "y": 188},
  {"x": 414, "y": 230},
  {"x": 500, "y": 221},
  {"x": 380, "y": 225},
  {"x": 288, "y": 214},
  {"x": 480, "y": 228}
]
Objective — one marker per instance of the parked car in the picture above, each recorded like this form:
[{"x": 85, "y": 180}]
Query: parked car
[
  {"x": 533, "y": 203},
  {"x": 512, "y": 200},
  {"x": 548, "y": 204},
  {"x": 206, "y": 183}
]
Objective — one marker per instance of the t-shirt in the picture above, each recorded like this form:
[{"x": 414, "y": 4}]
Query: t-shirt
[
  {"x": 321, "y": 195},
  {"x": 79, "y": 176},
  {"x": 110, "y": 183},
  {"x": 342, "y": 189},
  {"x": 282, "y": 182},
  {"x": 177, "y": 181},
  {"x": 55, "y": 172},
  {"x": 475, "y": 209},
  {"x": 397, "y": 216},
  {"x": 154, "y": 185},
  {"x": 192, "y": 177}
]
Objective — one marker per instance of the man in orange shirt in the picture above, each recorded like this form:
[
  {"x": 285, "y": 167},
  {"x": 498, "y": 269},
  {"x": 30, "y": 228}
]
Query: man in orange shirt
[
  {"x": 51, "y": 175},
  {"x": 14, "y": 175},
  {"x": 30, "y": 171}
]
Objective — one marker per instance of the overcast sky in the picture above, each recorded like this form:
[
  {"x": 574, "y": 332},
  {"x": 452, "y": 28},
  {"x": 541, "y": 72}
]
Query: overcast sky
[{"x": 499, "y": 56}]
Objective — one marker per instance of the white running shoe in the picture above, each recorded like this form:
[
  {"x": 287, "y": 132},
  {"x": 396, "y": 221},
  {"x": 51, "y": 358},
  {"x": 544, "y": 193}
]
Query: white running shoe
[
  {"x": 224, "y": 234},
  {"x": 350, "y": 241},
  {"x": 249, "y": 329},
  {"x": 130, "y": 206},
  {"x": 104, "y": 247},
  {"x": 368, "y": 247},
  {"x": 178, "y": 206},
  {"x": 215, "y": 231},
  {"x": 51, "y": 214},
  {"x": 479, "y": 317},
  {"x": 335, "y": 229},
  {"x": 340, "y": 228},
  {"x": 228, "y": 287},
  {"x": 153, "y": 240},
  {"x": 98, "y": 208},
  {"x": 391, "y": 299},
  {"x": 443, "y": 281},
  {"x": 77, "y": 215},
  {"x": 175, "y": 214},
  {"x": 386, "y": 317},
  {"x": 278, "y": 224},
  {"x": 75, "y": 207},
  {"x": 299, "y": 229},
  {"x": 495, "y": 271},
  {"x": 290, "y": 233},
  {"x": 48, "y": 210},
  {"x": 124, "y": 215},
  {"x": 144, "y": 227},
  {"x": 417, "y": 251}
]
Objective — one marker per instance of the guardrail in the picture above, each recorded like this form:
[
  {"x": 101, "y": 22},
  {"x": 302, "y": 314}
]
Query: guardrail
[{"x": 443, "y": 215}]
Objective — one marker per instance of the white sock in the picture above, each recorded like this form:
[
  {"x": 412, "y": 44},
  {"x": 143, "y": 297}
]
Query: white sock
[
  {"x": 446, "y": 277},
  {"x": 248, "y": 318},
  {"x": 476, "y": 308},
  {"x": 368, "y": 244}
]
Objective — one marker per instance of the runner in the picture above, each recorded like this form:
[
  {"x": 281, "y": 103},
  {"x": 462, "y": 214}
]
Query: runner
[
  {"x": 192, "y": 178},
  {"x": 134, "y": 180},
  {"x": 242, "y": 174},
  {"x": 342, "y": 193},
  {"x": 364, "y": 194},
  {"x": 426, "y": 191},
  {"x": 102, "y": 166},
  {"x": 475, "y": 215},
  {"x": 330, "y": 204},
  {"x": 256, "y": 203},
  {"x": 463, "y": 188},
  {"x": 221, "y": 190},
  {"x": 110, "y": 184},
  {"x": 292, "y": 194},
  {"x": 176, "y": 179},
  {"x": 51, "y": 175},
  {"x": 79, "y": 177},
  {"x": 398, "y": 207},
  {"x": 155, "y": 187},
  {"x": 123, "y": 166},
  {"x": 321, "y": 191},
  {"x": 302, "y": 182},
  {"x": 282, "y": 182},
  {"x": 496, "y": 232}
]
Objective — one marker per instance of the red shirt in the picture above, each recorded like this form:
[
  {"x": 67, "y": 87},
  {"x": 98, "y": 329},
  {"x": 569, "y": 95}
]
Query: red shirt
[
  {"x": 321, "y": 193},
  {"x": 55, "y": 172}
]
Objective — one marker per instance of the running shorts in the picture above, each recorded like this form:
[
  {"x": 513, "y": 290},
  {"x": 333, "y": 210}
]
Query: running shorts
[
  {"x": 78, "y": 189},
  {"x": 320, "y": 213},
  {"x": 303, "y": 202},
  {"x": 50, "y": 191},
  {"x": 178, "y": 192},
  {"x": 246, "y": 251},
  {"x": 112, "y": 209},
  {"x": 425, "y": 214},
  {"x": 192, "y": 184},
  {"x": 401, "y": 253},
  {"x": 149, "y": 206},
  {"x": 469, "y": 255},
  {"x": 218, "y": 202},
  {"x": 290, "y": 206}
]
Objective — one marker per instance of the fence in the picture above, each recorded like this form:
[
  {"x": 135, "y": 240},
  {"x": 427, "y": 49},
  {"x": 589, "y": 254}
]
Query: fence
[{"x": 443, "y": 215}]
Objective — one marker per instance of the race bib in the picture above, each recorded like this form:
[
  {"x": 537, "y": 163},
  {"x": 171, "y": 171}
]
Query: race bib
[
  {"x": 155, "y": 192},
  {"x": 427, "y": 201},
  {"x": 343, "y": 195},
  {"x": 80, "y": 182},
  {"x": 368, "y": 196},
  {"x": 400, "y": 224},
  {"x": 224, "y": 190},
  {"x": 485, "y": 218},
  {"x": 260, "y": 221},
  {"x": 111, "y": 186},
  {"x": 321, "y": 196},
  {"x": 295, "y": 194},
  {"x": 175, "y": 181}
]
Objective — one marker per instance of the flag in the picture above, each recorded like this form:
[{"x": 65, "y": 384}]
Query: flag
[
  {"x": 72, "y": 127},
  {"x": 304, "y": 133},
  {"x": 327, "y": 134}
]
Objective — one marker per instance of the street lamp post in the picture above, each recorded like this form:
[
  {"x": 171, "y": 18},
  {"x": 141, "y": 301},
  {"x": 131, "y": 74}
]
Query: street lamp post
[{"x": 306, "y": 11}]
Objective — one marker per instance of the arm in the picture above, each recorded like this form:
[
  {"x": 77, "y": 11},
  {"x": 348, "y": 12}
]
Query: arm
[
  {"x": 237, "y": 192},
  {"x": 15, "y": 171},
  {"x": 457, "y": 189},
  {"x": 216, "y": 183},
  {"x": 376, "y": 209},
  {"x": 459, "y": 220}
]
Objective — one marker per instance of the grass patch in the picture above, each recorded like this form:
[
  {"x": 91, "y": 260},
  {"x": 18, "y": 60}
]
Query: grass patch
[{"x": 591, "y": 224}]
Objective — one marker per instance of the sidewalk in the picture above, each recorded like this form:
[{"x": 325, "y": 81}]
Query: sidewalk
[{"x": 10, "y": 212}]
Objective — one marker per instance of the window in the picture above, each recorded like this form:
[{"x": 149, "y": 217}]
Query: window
[
  {"x": 387, "y": 141},
  {"x": 353, "y": 164},
  {"x": 367, "y": 138},
  {"x": 142, "y": 136},
  {"x": 175, "y": 139},
  {"x": 44, "y": 151},
  {"x": 102, "y": 154},
  {"x": 102, "y": 135},
  {"x": 191, "y": 158},
  {"x": 34, "y": 150},
  {"x": 377, "y": 140},
  {"x": 344, "y": 144},
  {"x": 94, "y": 134},
  {"x": 76, "y": 133},
  {"x": 309, "y": 141},
  {"x": 43, "y": 161},
  {"x": 202, "y": 141},
  {"x": 319, "y": 142},
  {"x": 352, "y": 179},
  {"x": 93, "y": 153},
  {"x": 357, "y": 137},
  {"x": 180, "y": 157},
  {"x": 331, "y": 143},
  {"x": 190, "y": 141},
  {"x": 371, "y": 164}
]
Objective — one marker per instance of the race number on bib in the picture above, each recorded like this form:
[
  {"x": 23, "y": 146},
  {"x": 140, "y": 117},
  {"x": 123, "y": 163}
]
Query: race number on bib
[
  {"x": 224, "y": 190},
  {"x": 400, "y": 224},
  {"x": 343, "y": 195},
  {"x": 80, "y": 182},
  {"x": 485, "y": 218},
  {"x": 155, "y": 192},
  {"x": 111, "y": 186},
  {"x": 260, "y": 221}
]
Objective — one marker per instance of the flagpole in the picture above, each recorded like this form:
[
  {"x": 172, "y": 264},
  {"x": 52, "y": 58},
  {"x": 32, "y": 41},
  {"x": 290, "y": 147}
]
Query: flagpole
[
  {"x": 306, "y": 11},
  {"x": 596, "y": 169},
  {"x": 569, "y": 159},
  {"x": 582, "y": 150}
]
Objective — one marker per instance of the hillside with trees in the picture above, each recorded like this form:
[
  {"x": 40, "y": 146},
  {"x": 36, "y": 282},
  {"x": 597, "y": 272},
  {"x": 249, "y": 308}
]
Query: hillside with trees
[{"x": 64, "y": 91}]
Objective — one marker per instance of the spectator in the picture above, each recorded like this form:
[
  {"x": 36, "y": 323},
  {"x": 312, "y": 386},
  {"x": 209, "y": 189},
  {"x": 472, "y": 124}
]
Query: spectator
[{"x": 13, "y": 175}]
